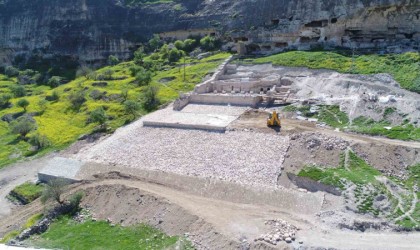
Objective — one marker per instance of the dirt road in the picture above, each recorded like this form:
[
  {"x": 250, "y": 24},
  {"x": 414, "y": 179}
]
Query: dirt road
[{"x": 232, "y": 222}]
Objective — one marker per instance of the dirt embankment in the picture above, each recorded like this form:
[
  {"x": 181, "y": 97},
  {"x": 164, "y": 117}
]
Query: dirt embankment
[{"x": 130, "y": 206}]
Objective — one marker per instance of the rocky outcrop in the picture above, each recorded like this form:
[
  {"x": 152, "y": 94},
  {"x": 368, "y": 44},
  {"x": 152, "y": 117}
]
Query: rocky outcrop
[{"x": 91, "y": 30}]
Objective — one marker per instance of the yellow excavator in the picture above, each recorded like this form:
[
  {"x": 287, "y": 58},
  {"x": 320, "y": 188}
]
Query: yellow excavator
[{"x": 274, "y": 120}]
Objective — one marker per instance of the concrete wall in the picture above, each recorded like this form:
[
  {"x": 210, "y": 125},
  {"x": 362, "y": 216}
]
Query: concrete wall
[
  {"x": 181, "y": 102},
  {"x": 239, "y": 100},
  {"x": 246, "y": 86},
  {"x": 207, "y": 86}
]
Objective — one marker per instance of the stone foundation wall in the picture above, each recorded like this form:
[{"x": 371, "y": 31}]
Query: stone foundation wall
[{"x": 236, "y": 100}]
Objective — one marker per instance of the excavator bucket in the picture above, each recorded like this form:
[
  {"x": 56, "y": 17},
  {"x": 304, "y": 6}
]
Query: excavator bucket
[{"x": 274, "y": 120}]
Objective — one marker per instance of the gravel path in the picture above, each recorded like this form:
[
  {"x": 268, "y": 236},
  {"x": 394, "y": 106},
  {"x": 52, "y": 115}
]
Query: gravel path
[{"x": 241, "y": 157}]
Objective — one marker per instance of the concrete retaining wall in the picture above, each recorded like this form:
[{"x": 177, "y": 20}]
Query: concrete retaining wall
[
  {"x": 181, "y": 102},
  {"x": 207, "y": 86},
  {"x": 238, "y": 100},
  {"x": 311, "y": 185},
  {"x": 184, "y": 126}
]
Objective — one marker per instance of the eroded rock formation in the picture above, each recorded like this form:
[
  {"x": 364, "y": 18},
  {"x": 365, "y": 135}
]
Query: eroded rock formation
[{"x": 91, "y": 30}]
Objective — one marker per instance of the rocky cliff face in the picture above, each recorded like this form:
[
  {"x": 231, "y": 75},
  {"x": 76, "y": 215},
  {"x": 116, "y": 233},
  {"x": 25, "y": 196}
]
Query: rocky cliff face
[{"x": 91, "y": 30}]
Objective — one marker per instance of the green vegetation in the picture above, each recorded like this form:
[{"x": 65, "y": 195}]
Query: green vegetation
[
  {"x": 404, "y": 131},
  {"x": 334, "y": 117},
  {"x": 65, "y": 233},
  {"x": 29, "y": 223},
  {"x": 405, "y": 68},
  {"x": 27, "y": 192},
  {"x": 367, "y": 184},
  {"x": 61, "y": 114}
]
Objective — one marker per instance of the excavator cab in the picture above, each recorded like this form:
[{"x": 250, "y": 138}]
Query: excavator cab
[{"x": 274, "y": 120}]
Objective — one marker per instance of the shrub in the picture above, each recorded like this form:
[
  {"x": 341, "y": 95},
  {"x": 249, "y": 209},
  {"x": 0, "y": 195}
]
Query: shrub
[
  {"x": 77, "y": 99},
  {"x": 174, "y": 55},
  {"x": 149, "y": 98},
  {"x": 42, "y": 105},
  {"x": 108, "y": 74},
  {"x": 29, "y": 76},
  {"x": 53, "y": 97},
  {"x": 143, "y": 77},
  {"x": 17, "y": 90},
  {"x": 134, "y": 69},
  {"x": 39, "y": 141},
  {"x": 189, "y": 45},
  {"x": 113, "y": 60},
  {"x": 209, "y": 43},
  {"x": 54, "y": 81},
  {"x": 23, "y": 103},
  {"x": 179, "y": 44},
  {"x": 164, "y": 52},
  {"x": 53, "y": 190},
  {"x": 155, "y": 42},
  {"x": 75, "y": 200},
  {"x": 5, "y": 101},
  {"x": 23, "y": 125},
  {"x": 98, "y": 116},
  {"x": 139, "y": 56},
  {"x": 124, "y": 95},
  {"x": 84, "y": 71},
  {"x": 96, "y": 94},
  {"x": 131, "y": 107},
  {"x": 11, "y": 71}
]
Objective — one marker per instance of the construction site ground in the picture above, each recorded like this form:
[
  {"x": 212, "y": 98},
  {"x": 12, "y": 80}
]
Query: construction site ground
[{"x": 220, "y": 188}]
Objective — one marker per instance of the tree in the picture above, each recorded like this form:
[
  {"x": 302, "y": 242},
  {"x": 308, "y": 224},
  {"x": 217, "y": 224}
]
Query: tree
[
  {"x": 149, "y": 98},
  {"x": 39, "y": 141},
  {"x": 139, "y": 56},
  {"x": 164, "y": 52},
  {"x": 54, "y": 81},
  {"x": 131, "y": 107},
  {"x": 174, "y": 55},
  {"x": 99, "y": 116},
  {"x": 5, "y": 101},
  {"x": 113, "y": 60},
  {"x": 84, "y": 71},
  {"x": 17, "y": 90},
  {"x": 11, "y": 71},
  {"x": 179, "y": 44},
  {"x": 155, "y": 42},
  {"x": 143, "y": 77},
  {"x": 42, "y": 104},
  {"x": 23, "y": 125},
  {"x": 208, "y": 43},
  {"x": 77, "y": 99},
  {"x": 54, "y": 190},
  {"x": 189, "y": 45},
  {"x": 23, "y": 103}
]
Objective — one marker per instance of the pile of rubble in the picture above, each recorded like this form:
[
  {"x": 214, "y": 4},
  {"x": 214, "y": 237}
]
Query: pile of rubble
[
  {"x": 242, "y": 157},
  {"x": 280, "y": 230},
  {"x": 314, "y": 141}
]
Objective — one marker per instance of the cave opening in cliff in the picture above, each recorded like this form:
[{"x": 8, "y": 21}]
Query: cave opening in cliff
[
  {"x": 317, "y": 24},
  {"x": 334, "y": 20},
  {"x": 275, "y": 21}
]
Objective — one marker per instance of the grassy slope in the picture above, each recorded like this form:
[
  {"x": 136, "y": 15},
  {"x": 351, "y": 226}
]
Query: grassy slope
[
  {"x": 367, "y": 187},
  {"x": 63, "y": 126},
  {"x": 332, "y": 116},
  {"x": 68, "y": 234},
  {"x": 405, "y": 68}
]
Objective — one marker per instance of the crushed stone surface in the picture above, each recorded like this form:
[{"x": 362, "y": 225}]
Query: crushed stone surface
[{"x": 246, "y": 158}]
